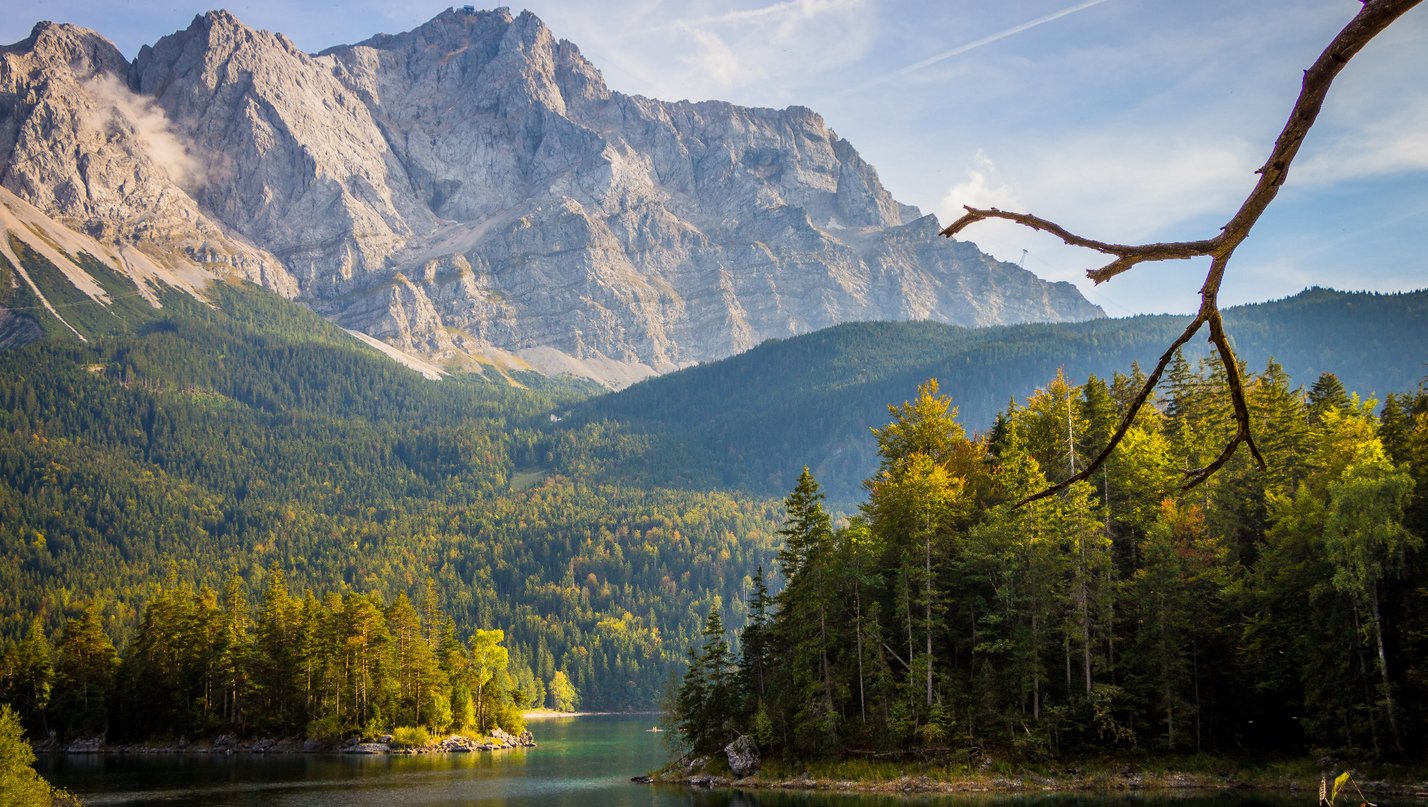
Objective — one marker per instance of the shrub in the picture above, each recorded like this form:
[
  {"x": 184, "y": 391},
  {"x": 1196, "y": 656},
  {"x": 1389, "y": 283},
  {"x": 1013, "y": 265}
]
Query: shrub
[{"x": 410, "y": 737}]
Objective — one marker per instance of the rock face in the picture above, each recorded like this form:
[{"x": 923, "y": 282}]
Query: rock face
[
  {"x": 79, "y": 145},
  {"x": 472, "y": 186}
]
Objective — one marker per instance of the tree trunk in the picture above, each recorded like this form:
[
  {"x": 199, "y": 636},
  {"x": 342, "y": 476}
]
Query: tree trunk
[
  {"x": 927, "y": 610},
  {"x": 858, "y": 629},
  {"x": 1383, "y": 669},
  {"x": 1035, "y": 668}
]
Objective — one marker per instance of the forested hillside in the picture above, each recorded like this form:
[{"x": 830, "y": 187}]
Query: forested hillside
[
  {"x": 1278, "y": 610},
  {"x": 750, "y": 422},
  {"x": 202, "y": 447},
  {"x": 192, "y": 445}
]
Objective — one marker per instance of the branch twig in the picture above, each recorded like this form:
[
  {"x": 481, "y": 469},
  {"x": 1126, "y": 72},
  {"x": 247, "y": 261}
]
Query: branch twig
[{"x": 1373, "y": 18}]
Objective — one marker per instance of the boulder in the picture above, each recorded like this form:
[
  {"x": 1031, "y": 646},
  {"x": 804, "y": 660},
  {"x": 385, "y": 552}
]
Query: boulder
[
  {"x": 743, "y": 754},
  {"x": 86, "y": 745},
  {"x": 368, "y": 748}
]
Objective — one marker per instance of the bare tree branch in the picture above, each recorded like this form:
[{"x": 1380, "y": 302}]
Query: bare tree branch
[{"x": 1372, "y": 19}]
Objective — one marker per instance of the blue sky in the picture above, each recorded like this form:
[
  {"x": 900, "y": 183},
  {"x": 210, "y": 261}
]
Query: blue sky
[{"x": 1125, "y": 120}]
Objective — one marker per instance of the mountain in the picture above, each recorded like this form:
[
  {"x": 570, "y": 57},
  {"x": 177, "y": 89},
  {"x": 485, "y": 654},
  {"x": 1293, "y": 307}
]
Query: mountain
[
  {"x": 751, "y": 422},
  {"x": 472, "y": 190}
]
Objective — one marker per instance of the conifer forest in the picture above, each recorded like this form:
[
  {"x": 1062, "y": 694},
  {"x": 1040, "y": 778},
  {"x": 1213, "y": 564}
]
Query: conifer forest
[{"x": 1280, "y": 610}]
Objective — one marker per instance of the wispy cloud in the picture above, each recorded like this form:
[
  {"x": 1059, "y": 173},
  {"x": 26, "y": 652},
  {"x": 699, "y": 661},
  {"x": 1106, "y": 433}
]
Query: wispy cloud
[
  {"x": 989, "y": 39},
  {"x": 751, "y": 55},
  {"x": 1373, "y": 148},
  {"x": 777, "y": 13}
]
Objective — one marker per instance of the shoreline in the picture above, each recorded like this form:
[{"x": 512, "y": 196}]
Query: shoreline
[
  {"x": 1273, "y": 778},
  {"x": 498, "y": 740},
  {"x": 551, "y": 714}
]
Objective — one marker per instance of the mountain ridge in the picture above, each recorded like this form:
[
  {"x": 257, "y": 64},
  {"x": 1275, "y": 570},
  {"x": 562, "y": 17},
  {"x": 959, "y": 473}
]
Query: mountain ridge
[
  {"x": 472, "y": 190},
  {"x": 750, "y": 422}
]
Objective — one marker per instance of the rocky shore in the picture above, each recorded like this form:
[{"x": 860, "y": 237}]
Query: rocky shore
[
  {"x": 497, "y": 740},
  {"x": 739, "y": 766}
]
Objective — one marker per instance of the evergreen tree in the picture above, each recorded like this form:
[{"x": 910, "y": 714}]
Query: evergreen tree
[
  {"x": 806, "y": 610},
  {"x": 419, "y": 676},
  {"x": 27, "y": 675},
  {"x": 85, "y": 664},
  {"x": 702, "y": 704},
  {"x": 757, "y": 645},
  {"x": 276, "y": 676},
  {"x": 1327, "y": 395}
]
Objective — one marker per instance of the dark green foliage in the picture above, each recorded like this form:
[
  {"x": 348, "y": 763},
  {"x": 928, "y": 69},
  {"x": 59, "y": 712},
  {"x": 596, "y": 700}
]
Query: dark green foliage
[
  {"x": 85, "y": 665},
  {"x": 1278, "y": 610},
  {"x": 752, "y": 421},
  {"x": 706, "y": 693},
  {"x": 251, "y": 438}
]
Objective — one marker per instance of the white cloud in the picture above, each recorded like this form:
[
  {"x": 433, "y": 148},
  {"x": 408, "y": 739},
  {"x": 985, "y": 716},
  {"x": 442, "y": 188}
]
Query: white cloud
[
  {"x": 983, "y": 187},
  {"x": 1125, "y": 187},
  {"x": 761, "y": 56},
  {"x": 1376, "y": 147},
  {"x": 149, "y": 125},
  {"x": 1137, "y": 186}
]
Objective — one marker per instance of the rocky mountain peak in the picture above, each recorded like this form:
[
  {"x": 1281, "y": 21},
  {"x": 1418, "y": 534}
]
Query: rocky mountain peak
[
  {"x": 473, "y": 188},
  {"x": 83, "y": 52}
]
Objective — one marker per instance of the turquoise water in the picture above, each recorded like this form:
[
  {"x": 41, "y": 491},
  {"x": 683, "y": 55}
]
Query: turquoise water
[{"x": 580, "y": 762}]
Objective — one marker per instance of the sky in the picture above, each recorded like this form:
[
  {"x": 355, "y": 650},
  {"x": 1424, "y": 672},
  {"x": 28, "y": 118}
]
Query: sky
[{"x": 1124, "y": 120}]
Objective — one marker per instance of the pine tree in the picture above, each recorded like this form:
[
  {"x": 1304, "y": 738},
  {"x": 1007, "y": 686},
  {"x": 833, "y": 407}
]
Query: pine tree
[
  {"x": 1327, "y": 394},
  {"x": 276, "y": 652},
  {"x": 235, "y": 652},
  {"x": 85, "y": 664},
  {"x": 702, "y": 704},
  {"x": 29, "y": 675},
  {"x": 757, "y": 645},
  {"x": 418, "y": 673},
  {"x": 806, "y": 612}
]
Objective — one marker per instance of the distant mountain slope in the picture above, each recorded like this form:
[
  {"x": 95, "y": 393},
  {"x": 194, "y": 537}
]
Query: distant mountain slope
[
  {"x": 752, "y": 421},
  {"x": 201, "y": 439},
  {"x": 472, "y": 188}
]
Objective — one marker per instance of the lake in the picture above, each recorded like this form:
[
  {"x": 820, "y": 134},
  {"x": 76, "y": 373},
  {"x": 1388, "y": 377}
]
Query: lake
[{"x": 580, "y": 762}]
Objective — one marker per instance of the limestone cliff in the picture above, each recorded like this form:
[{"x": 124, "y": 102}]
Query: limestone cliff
[{"x": 474, "y": 187}]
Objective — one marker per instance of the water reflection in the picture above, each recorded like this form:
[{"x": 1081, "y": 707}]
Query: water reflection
[{"x": 582, "y": 762}]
